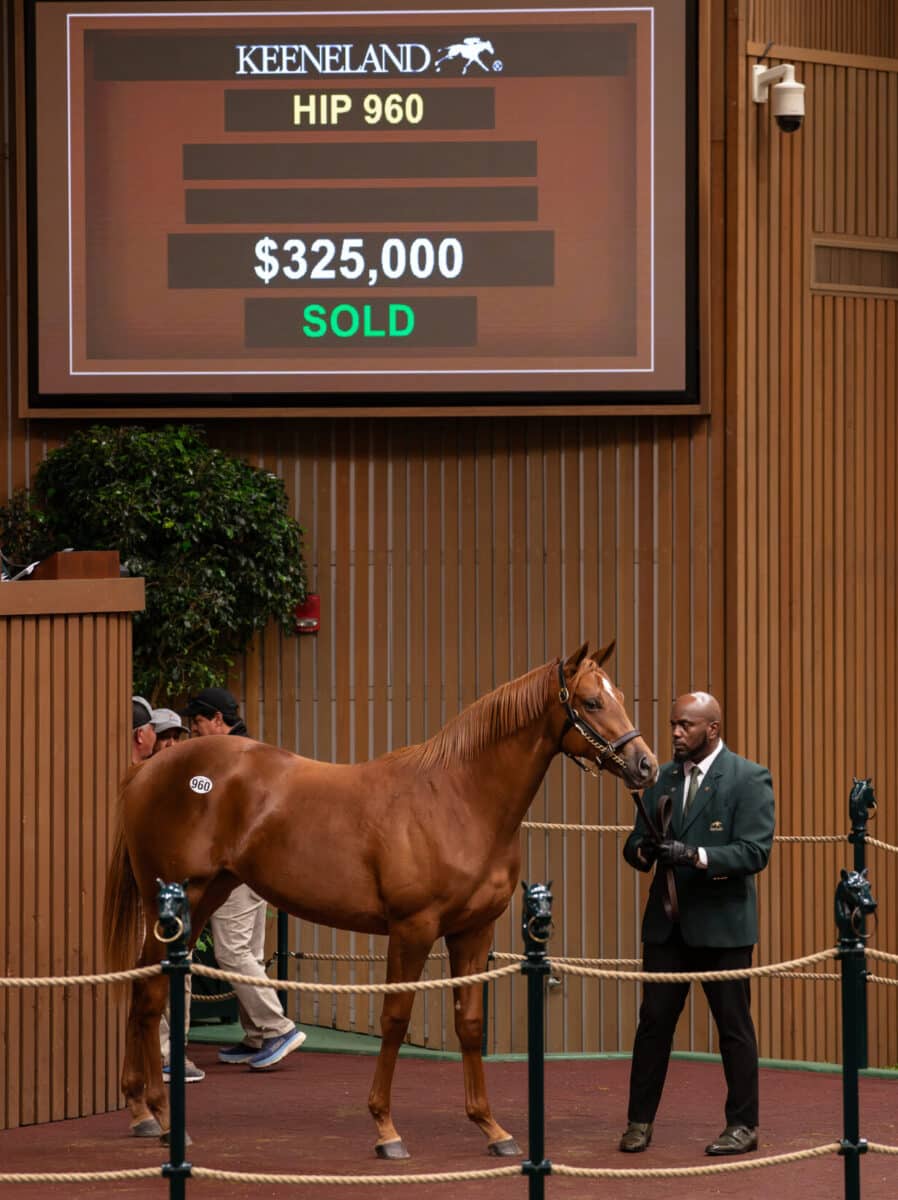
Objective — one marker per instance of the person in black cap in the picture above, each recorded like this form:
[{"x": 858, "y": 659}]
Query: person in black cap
[
  {"x": 238, "y": 925},
  {"x": 214, "y": 710},
  {"x": 143, "y": 735}
]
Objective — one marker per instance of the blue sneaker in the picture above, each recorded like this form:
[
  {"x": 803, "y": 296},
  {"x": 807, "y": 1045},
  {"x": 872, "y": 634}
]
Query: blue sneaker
[
  {"x": 274, "y": 1049},
  {"x": 241, "y": 1053}
]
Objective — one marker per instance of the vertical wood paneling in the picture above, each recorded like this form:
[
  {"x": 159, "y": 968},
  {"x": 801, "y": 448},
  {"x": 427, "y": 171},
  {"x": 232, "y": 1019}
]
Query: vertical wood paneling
[
  {"x": 493, "y": 546},
  {"x": 813, "y": 542},
  {"x": 61, "y": 1049},
  {"x": 861, "y": 27}
]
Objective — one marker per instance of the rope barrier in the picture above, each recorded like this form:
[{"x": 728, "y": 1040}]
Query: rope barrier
[
  {"x": 882, "y": 979},
  {"x": 569, "y": 966},
  {"x": 559, "y": 1169},
  {"x": 797, "y": 838},
  {"x": 563, "y": 826},
  {"x": 881, "y": 845},
  {"x": 774, "y": 1160},
  {"x": 84, "y": 980},
  {"x": 695, "y": 976},
  {"x": 571, "y": 827},
  {"x": 881, "y": 955},
  {"x": 814, "y": 976},
  {"x": 372, "y": 1180},
  {"x": 422, "y": 985},
  {"x": 204, "y": 998},
  {"x": 84, "y": 1176}
]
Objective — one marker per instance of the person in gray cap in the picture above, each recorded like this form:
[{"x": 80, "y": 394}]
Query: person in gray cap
[
  {"x": 168, "y": 727},
  {"x": 238, "y": 925},
  {"x": 143, "y": 736}
]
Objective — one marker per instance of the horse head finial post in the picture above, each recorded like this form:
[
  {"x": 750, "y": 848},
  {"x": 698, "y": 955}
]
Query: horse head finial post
[
  {"x": 854, "y": 903},
  {"x": 537, "y": 918},
  {"x": 537, "y": 929},
  {"x": 173, "y": 924},
  {"x": 173, "y": 928},
  {"x": 861, "y": 809}
]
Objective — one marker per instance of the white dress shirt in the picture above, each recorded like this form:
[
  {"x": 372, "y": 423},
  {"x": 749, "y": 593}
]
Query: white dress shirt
[{"x": 703, "y": 767}]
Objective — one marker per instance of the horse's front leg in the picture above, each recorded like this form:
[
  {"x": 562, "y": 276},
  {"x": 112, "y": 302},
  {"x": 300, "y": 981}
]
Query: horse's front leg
[
  {"x": 142, "y": 1082},
  {"x": 407, "y": 952},
  {"x": 467, "y": 956}
]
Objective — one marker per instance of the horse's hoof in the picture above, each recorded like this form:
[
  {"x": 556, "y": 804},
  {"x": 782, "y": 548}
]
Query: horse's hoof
[
  {"x": 507, "y": 1148},
  {"x": 148, "y": 1127},
  {"x": 165, "y": 1138},
  {"x": 392, "y": 1149}
]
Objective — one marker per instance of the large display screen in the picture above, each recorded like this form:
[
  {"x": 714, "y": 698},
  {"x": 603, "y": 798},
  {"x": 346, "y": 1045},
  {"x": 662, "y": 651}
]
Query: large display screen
[{"x": 259, "y": 208}]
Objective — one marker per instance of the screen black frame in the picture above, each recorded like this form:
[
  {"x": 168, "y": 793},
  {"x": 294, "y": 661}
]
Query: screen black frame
[{"x": 436, "y": 403}]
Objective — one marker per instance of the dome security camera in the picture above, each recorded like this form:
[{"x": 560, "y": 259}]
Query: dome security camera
[{"x": 788, "y": 94}]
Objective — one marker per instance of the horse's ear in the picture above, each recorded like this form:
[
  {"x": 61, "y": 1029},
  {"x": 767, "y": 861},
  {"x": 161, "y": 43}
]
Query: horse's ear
[
  {"x": 571, "y": 664},
  {"x": 601, "y": 656}
]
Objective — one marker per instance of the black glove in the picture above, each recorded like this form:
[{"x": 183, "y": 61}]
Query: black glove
[
  {"x": 677, "y": 854},
  {"x": 648, "y": 850}
]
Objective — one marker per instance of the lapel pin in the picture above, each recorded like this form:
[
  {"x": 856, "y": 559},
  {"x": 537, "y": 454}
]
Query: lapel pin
[{"x": 716, "y": 827}]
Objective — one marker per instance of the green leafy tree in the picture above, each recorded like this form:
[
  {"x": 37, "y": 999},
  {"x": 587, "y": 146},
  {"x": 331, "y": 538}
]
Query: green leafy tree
[{"x": 210, "y": 534}]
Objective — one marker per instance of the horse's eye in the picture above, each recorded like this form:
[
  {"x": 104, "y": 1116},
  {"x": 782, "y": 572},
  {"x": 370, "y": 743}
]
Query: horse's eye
[{"x": 592, "y": 705}]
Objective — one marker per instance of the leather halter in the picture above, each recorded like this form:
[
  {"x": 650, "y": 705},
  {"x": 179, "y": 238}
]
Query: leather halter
[{"x": 606, "y": 751}]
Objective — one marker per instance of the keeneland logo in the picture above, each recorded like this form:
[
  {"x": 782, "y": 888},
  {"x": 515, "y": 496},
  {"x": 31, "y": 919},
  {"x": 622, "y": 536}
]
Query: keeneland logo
[
  {"x": 470, "y": 49},
  {"x": 346, "y": 58}
]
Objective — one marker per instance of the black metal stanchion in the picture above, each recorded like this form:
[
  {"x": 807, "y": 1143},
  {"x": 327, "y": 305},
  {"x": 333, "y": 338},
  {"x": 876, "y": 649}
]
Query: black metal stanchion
[
  {"x": 537, "y": 928},
  {"x": 861, "y": 807},
  {"x": 283, "y": 954},
  {"x": 173, "y": 928},
  {"x": 854, "y": 902}
]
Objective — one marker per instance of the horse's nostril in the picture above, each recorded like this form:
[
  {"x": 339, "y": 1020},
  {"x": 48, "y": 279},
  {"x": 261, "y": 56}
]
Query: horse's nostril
[{"x": 645, "y": 766}]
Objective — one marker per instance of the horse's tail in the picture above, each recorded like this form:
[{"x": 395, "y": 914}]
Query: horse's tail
[{"x": 122, "y": 910}]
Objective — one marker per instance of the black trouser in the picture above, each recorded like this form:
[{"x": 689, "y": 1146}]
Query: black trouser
[{"x": 658, "y": 1015}]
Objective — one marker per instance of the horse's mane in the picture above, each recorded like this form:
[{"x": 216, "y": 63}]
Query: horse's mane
[{"x": 494, "y": 716}]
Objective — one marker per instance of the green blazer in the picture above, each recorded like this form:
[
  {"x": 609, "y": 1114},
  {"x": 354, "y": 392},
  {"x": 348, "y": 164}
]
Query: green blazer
[{"x": 732, "y": 818}]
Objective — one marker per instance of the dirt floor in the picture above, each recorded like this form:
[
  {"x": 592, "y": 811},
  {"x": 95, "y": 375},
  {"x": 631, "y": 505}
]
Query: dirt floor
[{"x": 309, "y": 1116}]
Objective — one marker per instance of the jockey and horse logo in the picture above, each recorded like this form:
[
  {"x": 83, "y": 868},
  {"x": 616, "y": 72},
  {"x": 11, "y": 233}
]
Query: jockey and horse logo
[{"x": 471, "y": 51}]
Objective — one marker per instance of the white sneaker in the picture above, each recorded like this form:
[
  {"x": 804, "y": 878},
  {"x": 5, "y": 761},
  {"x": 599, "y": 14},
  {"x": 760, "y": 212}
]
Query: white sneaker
[{"x": 192, "y": 1073}]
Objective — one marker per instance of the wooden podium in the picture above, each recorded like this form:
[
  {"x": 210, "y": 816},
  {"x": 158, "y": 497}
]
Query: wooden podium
[
  {"x": 79, "y": 564},
  {"x": 65, "y": 649}
]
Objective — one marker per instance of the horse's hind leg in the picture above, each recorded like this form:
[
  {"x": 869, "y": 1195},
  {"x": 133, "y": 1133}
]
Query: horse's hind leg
[
  {"x": 467, "y": 956},
  {"x": 406, "y": 955},
  {"x": 142, "y": 1082}
]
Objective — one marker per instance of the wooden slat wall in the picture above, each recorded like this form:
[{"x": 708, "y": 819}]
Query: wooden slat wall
[
  {"x": 60, "y": 1049},
  {"x": 859, "y": 27},
  {"x": 453, "y": 556},
  {"x": 812, "y": 540}
]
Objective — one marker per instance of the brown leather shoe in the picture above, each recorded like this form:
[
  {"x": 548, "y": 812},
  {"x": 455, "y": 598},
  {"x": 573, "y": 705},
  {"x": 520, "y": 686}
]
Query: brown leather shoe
[
  {"x": 735, "y": 1139},
  {"x": 637, "y": 1136}
]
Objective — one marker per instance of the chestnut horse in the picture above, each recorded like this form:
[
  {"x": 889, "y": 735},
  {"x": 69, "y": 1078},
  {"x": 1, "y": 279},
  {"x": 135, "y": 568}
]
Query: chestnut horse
[{"x": 419, "y": 844}]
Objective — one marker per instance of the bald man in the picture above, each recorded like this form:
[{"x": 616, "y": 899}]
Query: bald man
[{"x": 719, "y": 837}]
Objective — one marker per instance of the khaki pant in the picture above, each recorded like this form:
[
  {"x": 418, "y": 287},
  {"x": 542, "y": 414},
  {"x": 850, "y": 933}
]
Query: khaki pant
[
  {"x": 238, "y": 932},
  {"x": 164, "y": 1029}
]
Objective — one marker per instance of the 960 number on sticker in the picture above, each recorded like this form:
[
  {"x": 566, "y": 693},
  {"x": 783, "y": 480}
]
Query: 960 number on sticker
[{"x": 325, "y": 259}]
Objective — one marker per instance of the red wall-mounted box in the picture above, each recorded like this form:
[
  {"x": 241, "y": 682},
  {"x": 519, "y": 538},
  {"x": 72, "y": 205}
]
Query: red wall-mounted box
[{"x": 308, "y": 615}]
